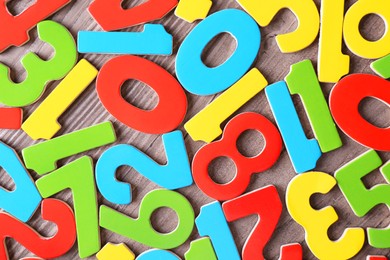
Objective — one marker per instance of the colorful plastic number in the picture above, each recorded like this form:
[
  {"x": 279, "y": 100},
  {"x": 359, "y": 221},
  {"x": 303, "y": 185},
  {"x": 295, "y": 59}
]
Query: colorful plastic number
[
  {"x": 42, "y": 157},
  {"x": 17, "y": 34},
  {"x": 200, "y": 249},
  {"x": 266, "y": 204},
  {"x": 344, "y": 101},
  {"x": 191, "y": 10},
  {"x": 352, "y": 36},
  {"x": 103, "y": 11},
  {"x": 332, "y": 63},
  {"x": 263, "y": 11},
  {"x": 199, "y": 79},
  {"x": 174, "y": 175},
  {"x": 154, "y": 40},
  {"x": 141, "y": 229},
  {"x": 52, "y": 210},
  {"x": 303, "y": 153},
  {"x": 39, "y": 72},
  {"x": 157, "y": 254},
  {"x": 317, "y": 222},
  {"x": 382, "y": 67},
  {"x": 291, "y": 252},
  {"x": 24, "y": 199},
  {"x": 206, "y": 125},
  {"x": 165, "y": 117},
  {"x": 31, "y": 258},
  {"x": 361, "y": 199},
  {"x": 376, "y": 257},
  {"x": 302, "y": 80},
  {"x": 246, "y": 166},
  {"x": 211, "y": 222},
  {"x": 115, "y": 251},
  {"x": 77, "y": 176},
  {"x": 11, "y": 118},
  {"x": 42, "y": 123}
]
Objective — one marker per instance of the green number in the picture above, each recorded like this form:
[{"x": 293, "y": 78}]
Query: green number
[
  {"x": 141, "y": 229},
  {"x": 362, "y": 200},
  {"x": 79, "y": 177}
]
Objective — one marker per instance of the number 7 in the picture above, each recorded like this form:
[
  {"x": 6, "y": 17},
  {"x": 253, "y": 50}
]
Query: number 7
[
  {"x": 264, "y": 202},
  {"x": 77, "y": 176}
]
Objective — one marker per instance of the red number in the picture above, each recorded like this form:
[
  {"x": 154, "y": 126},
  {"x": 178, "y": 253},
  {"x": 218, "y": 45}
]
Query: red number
[
  {"x": 245, "y": 166},
  {"x": 291, "y": 252},
  {"x": 54, "y": 211},
  {"x": 172, "y": 105},
  {"x": 111, "y": 16},
  {"x": 11, "y": 118},
  {"x": 266, "y": 204},
  {"x": 14, "y": 29},
  {"x": 344, "y": 104}
]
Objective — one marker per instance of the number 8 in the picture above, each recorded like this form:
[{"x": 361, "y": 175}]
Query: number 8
[{"x": 245, "y": 166}]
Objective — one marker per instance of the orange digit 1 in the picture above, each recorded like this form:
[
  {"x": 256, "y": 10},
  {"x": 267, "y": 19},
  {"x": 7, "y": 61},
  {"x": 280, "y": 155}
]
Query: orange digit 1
[
  {"x": 54, "y": 211},
  {"x": 245, "y": 166},
  {"x": 165, "y": 117},
  {"x": 110, "y": 15},
  {"x": 265, "y": 203},
  {"x": 17, "y": 34}
]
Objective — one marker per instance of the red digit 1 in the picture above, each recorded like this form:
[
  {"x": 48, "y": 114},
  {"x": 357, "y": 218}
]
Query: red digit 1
[
  {"x": 17, "y": 34},
  {"x": 344, "y": 104},
  {"x": 165, "y": 117},
  {"x": 265, "y": 203},
  {"x": 54, "y": 211},
  {"x": 245, "y": 166},
  {"x": 110, "y": 15}
]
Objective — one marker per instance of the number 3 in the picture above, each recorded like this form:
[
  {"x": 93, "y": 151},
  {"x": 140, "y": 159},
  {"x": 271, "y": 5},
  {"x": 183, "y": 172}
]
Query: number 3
[{"x": 317, "y": 222}]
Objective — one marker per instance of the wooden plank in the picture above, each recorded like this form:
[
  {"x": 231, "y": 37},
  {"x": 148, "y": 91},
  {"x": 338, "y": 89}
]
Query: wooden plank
[{"x": 87, "y": 110}]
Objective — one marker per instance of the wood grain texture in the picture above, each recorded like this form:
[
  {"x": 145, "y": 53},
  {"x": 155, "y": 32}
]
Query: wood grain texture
[{"x": 87, "y": 111}]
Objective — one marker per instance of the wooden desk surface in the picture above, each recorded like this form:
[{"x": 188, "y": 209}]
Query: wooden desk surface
[{"x": 87, "y": 111}]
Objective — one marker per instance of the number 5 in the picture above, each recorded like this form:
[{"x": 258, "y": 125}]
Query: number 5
[{"x": 361, "y": 199}]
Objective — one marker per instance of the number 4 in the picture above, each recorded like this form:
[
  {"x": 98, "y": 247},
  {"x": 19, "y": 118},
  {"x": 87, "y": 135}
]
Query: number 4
[{"x": 104, "y": 11}]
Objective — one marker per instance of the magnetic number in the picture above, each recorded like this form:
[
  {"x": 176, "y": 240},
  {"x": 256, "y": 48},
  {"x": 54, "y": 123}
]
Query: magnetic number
[{"x": 245, "y": 166}]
